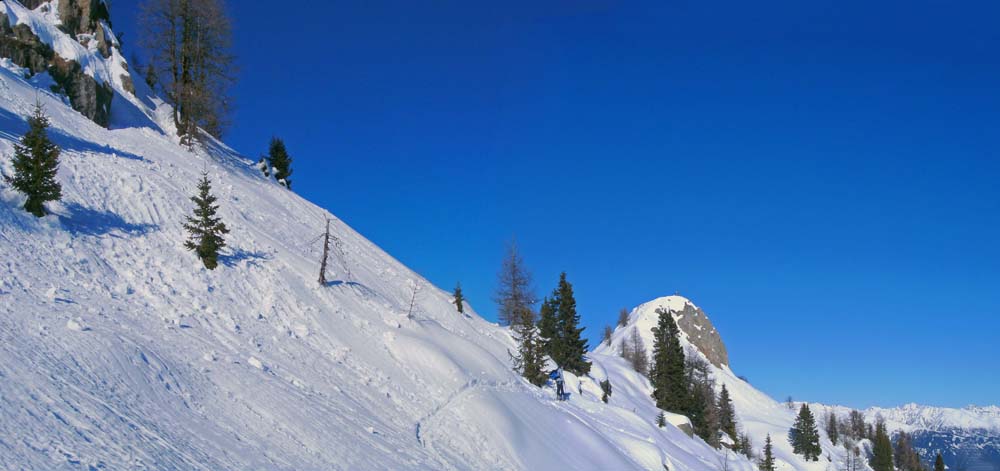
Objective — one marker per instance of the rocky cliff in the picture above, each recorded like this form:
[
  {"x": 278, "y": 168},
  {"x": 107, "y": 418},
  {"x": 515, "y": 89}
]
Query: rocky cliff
[{"x": 70, "y": 54}]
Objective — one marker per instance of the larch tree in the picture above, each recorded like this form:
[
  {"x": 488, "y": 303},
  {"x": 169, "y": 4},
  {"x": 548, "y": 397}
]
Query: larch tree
[
  {"x": 832, "y": 427},
  {"x": 189, "y": 43},
  {"x": 670, "y": 389},
  {"x": 606, "y": 336},
  {"x": 515, "y": 298},
  {"x": 205, "y": 228},
  {"x": 622, "y": 317},
  {"x": 36, "y": 162},
  {"x": 907, "y": 459},
  {"x": 459, "y": 299}
]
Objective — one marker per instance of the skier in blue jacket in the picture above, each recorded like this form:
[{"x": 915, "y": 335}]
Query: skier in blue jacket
[{"x": 557, "y": 375}]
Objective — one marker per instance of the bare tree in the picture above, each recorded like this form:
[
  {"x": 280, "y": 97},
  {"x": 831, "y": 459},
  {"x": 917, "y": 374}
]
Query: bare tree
[
  {"x": 514, "y": 295},
  {"x": 189, "y": 41},
  {"x": 326, "y": 254}
]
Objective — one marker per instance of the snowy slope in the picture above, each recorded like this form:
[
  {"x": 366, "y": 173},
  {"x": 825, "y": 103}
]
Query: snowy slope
[
  {"x": 119, "y": 351},
  {"x": 759, "y": 414}
]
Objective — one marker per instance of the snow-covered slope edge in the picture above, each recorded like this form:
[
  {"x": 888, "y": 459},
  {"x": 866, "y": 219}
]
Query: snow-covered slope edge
[{"x": 119, "y": 351}]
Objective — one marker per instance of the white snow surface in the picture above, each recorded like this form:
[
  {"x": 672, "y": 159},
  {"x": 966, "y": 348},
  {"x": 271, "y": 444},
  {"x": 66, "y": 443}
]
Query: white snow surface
[{"x": 118, "y": 350}]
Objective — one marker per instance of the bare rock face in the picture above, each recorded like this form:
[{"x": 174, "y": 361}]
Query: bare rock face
[
  {"x": 81, "y": 19},
  {"x": 702, "y": 334}
]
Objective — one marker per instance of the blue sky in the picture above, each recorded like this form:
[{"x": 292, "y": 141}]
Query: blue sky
[{"x": 820, "y": 177}]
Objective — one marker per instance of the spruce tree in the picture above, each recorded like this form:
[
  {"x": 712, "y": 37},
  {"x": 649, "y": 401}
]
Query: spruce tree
[
  {"x": 547, "y": 325},
  {"x": 661, "y": 420},
  {"x": 205, "y": 229},
  {"x": 670, "y": 389},
  {"x": 36, "y": 161},
  {"x": 881, "y": 450},
  {"x": 459, "y": 298},
  {"x": 939, "y": 463},
  {"x": 804, "y": 436},
  {"x": 280, "y": 161},
  {"x": 727, "y": 413},
  {"x": 767, "y": 461},
  {"x": 572, "y": 347}
]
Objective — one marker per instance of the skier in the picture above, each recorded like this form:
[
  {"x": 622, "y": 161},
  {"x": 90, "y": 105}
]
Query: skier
[{"x": 557, "y": 375}]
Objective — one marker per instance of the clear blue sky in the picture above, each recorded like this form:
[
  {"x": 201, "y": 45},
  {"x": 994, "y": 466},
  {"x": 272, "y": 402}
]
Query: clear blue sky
[{"x": 820, "y": 177}]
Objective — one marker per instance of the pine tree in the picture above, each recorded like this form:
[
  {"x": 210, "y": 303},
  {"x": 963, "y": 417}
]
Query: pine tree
[
  {"x": 767, "y": 461},
  {"x": 280, "y": 161},
  {"x": 670, "y": 389},
  {"x": 661, "y": 420},
  {"x": 727, "y": 413},
  {"x": 623, "y": 317},
  {"x": 36, "y": 161},
  {"x": 205, "y": 229},
  {"x": 515, "y": 299},
  {"x": 832, "y": 429},
  {"x": 572, "y": 347},
  {"x": 804, "y": 436},
  {"x": 939, "y": 463},
  {"x": 605, "y": 390},
  {"x": 459, "y": 298},
  {"x": 882, "y": 450},
  {"x": 150, "y": 76}
]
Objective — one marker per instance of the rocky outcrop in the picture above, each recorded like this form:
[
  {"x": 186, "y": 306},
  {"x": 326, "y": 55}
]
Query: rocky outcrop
[
  {"x": 84, "y": 20},
  {"x": 702, "y": 334}
]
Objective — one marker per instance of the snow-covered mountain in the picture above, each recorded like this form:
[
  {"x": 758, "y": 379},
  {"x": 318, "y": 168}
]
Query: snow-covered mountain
[{"x": 118, "y": 350}]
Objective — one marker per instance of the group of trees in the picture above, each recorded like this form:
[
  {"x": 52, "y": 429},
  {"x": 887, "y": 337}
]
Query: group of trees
[
  {"x": 886, "y": 455},
  {"x": 554, "y": 333},
  {"x": 634, "y": 351}
]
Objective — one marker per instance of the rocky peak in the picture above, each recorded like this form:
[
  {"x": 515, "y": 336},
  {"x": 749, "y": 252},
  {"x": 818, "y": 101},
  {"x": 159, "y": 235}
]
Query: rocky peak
[
  {"x": 29, "y": 30},
  {"x": 696, "y": 329}
]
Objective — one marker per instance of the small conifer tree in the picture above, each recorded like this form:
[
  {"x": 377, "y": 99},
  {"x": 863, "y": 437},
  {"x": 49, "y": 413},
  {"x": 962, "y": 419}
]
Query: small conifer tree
[
  {"x": 36, "y": 161},
  {"x": 661, "y": 420},
  {"x": 939, "y": 463},
  {"x": 280, "y": 161},
  {"x": 459, "y": 299},
  {"x": 727, "y": 414},
  {"x": 205, "y": 229},
  {"x": 605, "y": 390},
  {"x": 767, "y": 461}
]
